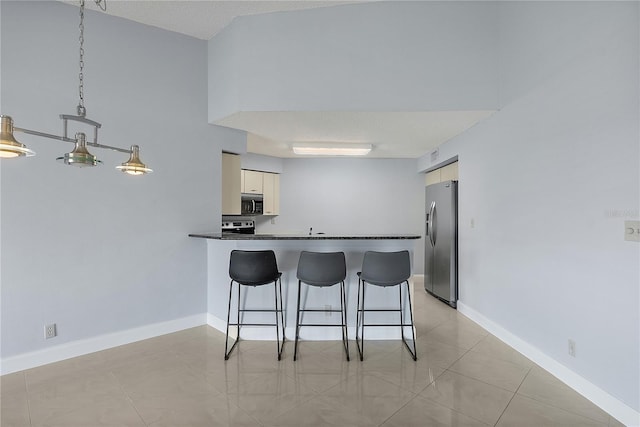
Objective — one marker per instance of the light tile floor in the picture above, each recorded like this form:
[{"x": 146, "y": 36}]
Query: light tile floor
[{"x": 463, "y": 377}]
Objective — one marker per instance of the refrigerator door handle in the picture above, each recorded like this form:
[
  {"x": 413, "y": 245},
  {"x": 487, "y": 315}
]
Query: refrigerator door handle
[
  {"x": 434, "y": 224},
  {"x": 430, "y": 230}
]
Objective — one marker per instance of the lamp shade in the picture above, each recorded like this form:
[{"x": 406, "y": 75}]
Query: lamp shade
[
  {"x": 134, "y": 165},
  {"x": 9, "y": 147},
  {"x": 80, "y": 156}
]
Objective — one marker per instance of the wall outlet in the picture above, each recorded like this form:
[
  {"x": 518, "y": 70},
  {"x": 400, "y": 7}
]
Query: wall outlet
[
  {"x": 572, "y": 348},
  {"x": 50, "y": 331},
  {"x": 327, "y": 313},
  {"x": 632, "y": 231}
]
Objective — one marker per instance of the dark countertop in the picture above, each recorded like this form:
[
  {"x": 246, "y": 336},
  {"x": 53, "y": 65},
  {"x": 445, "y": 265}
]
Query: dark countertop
[{"x": 231, "y": 236}]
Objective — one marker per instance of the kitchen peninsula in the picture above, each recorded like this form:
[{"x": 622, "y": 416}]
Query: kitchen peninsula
[
  {"x": 319, "y": 236},
  {"x": 287, "y": 248}
]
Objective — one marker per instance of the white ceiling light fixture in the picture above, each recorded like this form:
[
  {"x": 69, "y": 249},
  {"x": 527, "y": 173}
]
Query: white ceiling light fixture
[
  {"x": 80, "y": 155},
  {"x": 334, "y": 149}
]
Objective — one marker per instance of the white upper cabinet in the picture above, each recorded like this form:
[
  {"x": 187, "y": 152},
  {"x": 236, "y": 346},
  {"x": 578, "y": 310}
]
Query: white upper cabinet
[
  {"x": 445, "y": 173},
  {"x": 252, "y": 182},
  {"x": 231, "y": 177},
  {"x": 271, "y": 186},
  {"x": 449, "y": 172}
]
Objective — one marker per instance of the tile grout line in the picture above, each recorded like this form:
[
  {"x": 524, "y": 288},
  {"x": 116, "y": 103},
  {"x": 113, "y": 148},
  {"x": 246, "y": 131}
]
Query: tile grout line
[
  {"x": 26, "y": 389},
  {"x": 476, "y": 379},
  {"x": 453, "y": 409},
  {"x": 416, "y": 395},
  {"x": 126, "y": 395},
  {"x": 582, "y": 415},
  {"x": 512, "y": 397}
]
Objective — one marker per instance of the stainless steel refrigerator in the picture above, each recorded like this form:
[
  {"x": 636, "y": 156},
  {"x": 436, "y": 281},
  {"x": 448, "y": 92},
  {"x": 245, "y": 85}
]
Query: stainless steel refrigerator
[{"x": 441, "y": 242}]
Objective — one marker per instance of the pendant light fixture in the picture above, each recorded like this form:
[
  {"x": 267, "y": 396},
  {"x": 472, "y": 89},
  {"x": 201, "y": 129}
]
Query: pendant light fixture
[
  {"x": 9, "y": 147},
  {"x": 134, "y": 166},
  {"x": 80, "y": 155}
]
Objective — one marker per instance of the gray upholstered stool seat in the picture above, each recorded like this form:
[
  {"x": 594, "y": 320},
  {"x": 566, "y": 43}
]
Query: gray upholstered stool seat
[
  {"x": 385, "y": 269},
  {"x": 322, "y": 269},
  {"x": 255, "y": 268}
]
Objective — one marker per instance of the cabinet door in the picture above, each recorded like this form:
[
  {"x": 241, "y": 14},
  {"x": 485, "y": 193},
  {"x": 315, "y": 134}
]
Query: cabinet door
[
  {"x": 230, "y": 184},
  {"x": 449, "y": 172},
  {"x": 433, "y": 177},
  {"x": 276, "y": 194},
  {"x": 445, "y": 173},
  {"x": 253, "y": 182},
  {"x": 271, "y": 186}
]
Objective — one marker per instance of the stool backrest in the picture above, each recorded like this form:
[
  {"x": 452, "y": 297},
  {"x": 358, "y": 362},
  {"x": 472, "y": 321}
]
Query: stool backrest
[
  {"x": 386, "y": 268},
  {"x": 253, "y": 267},
  {"x": 322, "y": 268}
]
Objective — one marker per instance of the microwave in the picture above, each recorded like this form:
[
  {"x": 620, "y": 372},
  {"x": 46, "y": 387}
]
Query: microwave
[{"x": 251, "y": 204}]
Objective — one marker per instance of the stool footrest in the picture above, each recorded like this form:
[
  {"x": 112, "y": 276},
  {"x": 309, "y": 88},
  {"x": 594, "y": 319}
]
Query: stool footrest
[
  {"x": 322, "y": 324},
  {"x": 252, "y": 324},
  {"x": 387, "y": 324},
  {"x": 319, "y": 310}
]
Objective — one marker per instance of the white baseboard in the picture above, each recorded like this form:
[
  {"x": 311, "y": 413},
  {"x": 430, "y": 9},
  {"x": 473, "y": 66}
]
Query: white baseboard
[
  {"x": 599, "y": 397},
  {"x": 90, "y": 345}
]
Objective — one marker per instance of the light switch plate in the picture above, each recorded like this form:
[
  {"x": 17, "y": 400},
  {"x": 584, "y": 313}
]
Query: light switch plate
[{"x": 632, "y": 231}]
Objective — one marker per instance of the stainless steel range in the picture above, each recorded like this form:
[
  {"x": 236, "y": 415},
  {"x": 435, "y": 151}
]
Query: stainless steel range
[{"x": 239, "y": 227}]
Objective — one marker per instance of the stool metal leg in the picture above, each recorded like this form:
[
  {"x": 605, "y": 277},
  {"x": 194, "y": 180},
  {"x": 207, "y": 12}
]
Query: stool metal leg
[
  {"x": 226, "y": 344},
  {"x": 295, "y": 347},
  {"x": 360, "y": 320},
  {"x": 280, "y": 345},
  {"x": 414, "y": 353},
  {"x": 282, "y": 322},
  {"x": 343, "y": 313}
]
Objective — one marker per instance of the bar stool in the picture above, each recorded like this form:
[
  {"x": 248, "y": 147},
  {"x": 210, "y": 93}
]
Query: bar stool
[
  {"x": 322, "y": 269},
  {"x": 255, "y": 268},
  {"x": 384, "y": 269}
]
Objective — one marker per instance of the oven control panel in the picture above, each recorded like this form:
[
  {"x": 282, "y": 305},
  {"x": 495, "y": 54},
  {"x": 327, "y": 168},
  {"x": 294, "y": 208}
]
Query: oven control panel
[
  {"x": 236, "y": 224},
  {"x": 244, "y": 227}
]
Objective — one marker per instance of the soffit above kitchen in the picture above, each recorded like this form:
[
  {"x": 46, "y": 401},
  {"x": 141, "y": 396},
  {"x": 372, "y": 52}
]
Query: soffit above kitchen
[
  {"x": 393, "y": 129},
  {"x": 402, "y": 77},
  {"x": 392, "y": 134}
]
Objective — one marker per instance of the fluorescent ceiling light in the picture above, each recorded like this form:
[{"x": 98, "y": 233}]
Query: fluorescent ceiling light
[{"x": 337, "y": 149}]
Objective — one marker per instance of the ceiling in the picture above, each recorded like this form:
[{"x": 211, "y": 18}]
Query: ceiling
[
  {"x": 392, "y": 134},
  {"x": 201, "y": 19}
]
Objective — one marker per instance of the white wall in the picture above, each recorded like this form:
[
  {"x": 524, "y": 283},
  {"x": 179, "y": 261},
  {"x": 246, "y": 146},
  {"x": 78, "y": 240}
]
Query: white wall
[
  {"x": 359, "y": 196},
  {"x": 94, "y": 250},
  {"x": 549, "y": 181},
  {"x": 370, "y": 56}
]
